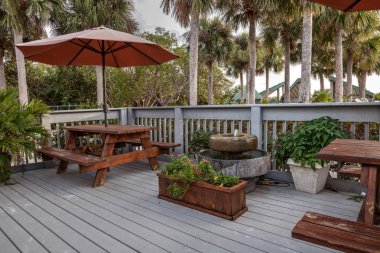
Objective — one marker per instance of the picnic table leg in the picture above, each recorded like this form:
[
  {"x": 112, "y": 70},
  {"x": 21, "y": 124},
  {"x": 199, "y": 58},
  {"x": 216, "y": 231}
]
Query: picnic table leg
[
  {"x": 371, "y": 198},
  {"x": 70, "y": 144},
  {"x": 153, "y": 161},
  {"x": 101, "y": 173}
]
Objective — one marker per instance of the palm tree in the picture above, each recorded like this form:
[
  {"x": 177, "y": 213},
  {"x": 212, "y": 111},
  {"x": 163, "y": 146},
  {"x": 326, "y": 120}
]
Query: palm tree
[
  {"x": 272, "y": 59},
  {"x": 247, "y": 13},
  {"x": 5, "y": 36},
  {"x": 362, "y": 26},
  {"x": 238, "y": 61},
  {"x": 80, "y": 15},
  {"x": 335, "y": 22},
  {"x": 187, "y": 12},
  {"x": 366, "y": 61},
  {"x": 215, "y": 44},
  {"x": 20, "y": 16},
  {"x": 307, "y": 34},
  {"x": 286, "y": 25}
]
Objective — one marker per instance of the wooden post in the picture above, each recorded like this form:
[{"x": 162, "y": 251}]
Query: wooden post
[
  {"x": 130, "y": 116},
  {"x": 371, "y": 198},
  {"x": 178, "y": 129},
  {"x": 256, "y": 124},
  {"x": 123, "y": 117}
]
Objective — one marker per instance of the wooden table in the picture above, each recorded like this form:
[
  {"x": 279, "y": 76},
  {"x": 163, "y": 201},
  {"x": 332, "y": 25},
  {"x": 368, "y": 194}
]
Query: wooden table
[
  {"x": 368, "y": 154},
  {"x": 111, "y": 135}
]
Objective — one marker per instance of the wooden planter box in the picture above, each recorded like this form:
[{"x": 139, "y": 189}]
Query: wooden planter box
[{"x": 225, "y": 202}]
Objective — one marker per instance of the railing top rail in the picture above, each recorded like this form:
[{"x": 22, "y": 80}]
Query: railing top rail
[{"x": 343, "y": 104}]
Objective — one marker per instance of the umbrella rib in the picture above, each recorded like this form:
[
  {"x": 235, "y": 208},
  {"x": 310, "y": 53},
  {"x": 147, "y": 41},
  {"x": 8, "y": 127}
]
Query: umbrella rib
[
  {"x": 120, "y": 48},
  {"x": 141, "y": 52},
  {"x": 113, "y": 56},
  {"x": 352, "y": 5},
  {"x": 110, "y": 47},
  {"x": 79, "y": 52},
  {"x": 86, "y": 47}
]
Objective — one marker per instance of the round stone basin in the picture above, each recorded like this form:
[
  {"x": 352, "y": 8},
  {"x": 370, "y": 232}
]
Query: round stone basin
[
  {"x": 249, "y": 164},
  {"x": 232, "y": 143}
]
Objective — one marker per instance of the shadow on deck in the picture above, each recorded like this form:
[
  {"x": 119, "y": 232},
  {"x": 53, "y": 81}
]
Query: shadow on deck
[{"x": 45, "y": 212}]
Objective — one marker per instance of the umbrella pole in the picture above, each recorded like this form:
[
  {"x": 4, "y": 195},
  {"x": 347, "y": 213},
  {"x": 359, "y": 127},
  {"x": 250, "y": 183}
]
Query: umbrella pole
[{"x": 104, "y": 86}]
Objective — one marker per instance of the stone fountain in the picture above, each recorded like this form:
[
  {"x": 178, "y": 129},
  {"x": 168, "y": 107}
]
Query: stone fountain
[{"x": 237, "y": 155}]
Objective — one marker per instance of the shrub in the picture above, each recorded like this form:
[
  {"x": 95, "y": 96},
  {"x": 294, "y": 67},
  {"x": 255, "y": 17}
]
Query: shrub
[
  {"x": 199, "y": 141},
  {"x": 307, "y": 140},
  {"x": 20, "y": 129}
]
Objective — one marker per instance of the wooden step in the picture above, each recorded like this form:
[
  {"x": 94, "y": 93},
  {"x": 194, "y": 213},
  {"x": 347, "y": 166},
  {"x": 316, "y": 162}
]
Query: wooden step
[
  {"x": 70, "y": 156},
  {"x": 350, "y": 171},
  {"x": 336, "y": 233}
]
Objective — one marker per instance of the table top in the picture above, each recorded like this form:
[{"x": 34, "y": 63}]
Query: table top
[
  {"x": 111, "y": 129},
  {"x": 355, "y": 151}
]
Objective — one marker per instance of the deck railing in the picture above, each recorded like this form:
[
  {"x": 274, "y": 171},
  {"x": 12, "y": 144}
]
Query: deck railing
[{"x": 176, "y": 124}]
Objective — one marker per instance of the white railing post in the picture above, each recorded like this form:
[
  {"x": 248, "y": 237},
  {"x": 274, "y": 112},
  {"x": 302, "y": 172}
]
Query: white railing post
[
  {"x": 256, "y": 124},
  {"x": 130, "y": 116},
  {"x": 46, "y": 123},
  {"x": 178, "y": 129},
  {"x": 123, "y": 116}
]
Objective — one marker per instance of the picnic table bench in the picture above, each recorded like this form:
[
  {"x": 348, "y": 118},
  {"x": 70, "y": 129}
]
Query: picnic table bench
[
  {"x": 336, "y": 233},
  {"x": 111, "y": 136}
]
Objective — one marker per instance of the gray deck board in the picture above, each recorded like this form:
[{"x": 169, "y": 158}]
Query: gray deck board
[{"x": 61, "y": 213}]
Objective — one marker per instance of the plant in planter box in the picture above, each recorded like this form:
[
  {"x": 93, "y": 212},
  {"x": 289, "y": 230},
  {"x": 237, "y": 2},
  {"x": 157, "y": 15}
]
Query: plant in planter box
[
  {"x": 299, "y": 150},
  {"x": 199, "y": 186},
  {"x": 185, "y": 171},
  {"x": 20, "y": 129}
]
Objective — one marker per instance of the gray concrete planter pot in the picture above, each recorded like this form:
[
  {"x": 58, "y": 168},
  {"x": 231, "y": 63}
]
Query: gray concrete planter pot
[{"x": 308, "y": 180}]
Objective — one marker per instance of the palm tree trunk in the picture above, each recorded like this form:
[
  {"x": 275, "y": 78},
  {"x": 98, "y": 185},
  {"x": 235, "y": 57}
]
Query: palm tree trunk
[
  {"x": 287, "y": 70},
  {"x": 194, "y": 34},
  {"x": 246, "y": 86},
  {"x": 338, "y": 65},
  {"x": 266, "y": 83},
  {"x": 21, "y": 72},
  {"x": 99, "y": 84},
  {"x": 210, "y": 92},
  {"x": 252, "y": 59},
  {"x": 304, "y": 94},
  {"x": 350, "y": 61},
  {"x": 321, "y": 81},
  {"x": 3, "y": 83},
  {"x": 362, "y": 79},
  {"x": 241, "y": 88}
]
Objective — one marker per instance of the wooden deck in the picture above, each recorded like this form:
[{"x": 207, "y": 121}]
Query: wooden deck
[{"x": 45, "y": 212}]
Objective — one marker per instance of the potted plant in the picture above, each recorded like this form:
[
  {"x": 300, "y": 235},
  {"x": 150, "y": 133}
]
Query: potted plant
[
  {"x": 299, "y": 151},
  {"x": 199, "y": 186},
  {"x": 20, "y": 129}
]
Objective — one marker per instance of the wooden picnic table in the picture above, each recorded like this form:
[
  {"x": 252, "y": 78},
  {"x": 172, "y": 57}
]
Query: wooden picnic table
[
  {"x": 111, "y": 135},
  {"x": 366, "y": 153}
]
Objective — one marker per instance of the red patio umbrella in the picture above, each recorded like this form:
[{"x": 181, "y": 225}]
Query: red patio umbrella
[
  {"x": 96, "y": 46},
  {"x": 351, "y": 5}
]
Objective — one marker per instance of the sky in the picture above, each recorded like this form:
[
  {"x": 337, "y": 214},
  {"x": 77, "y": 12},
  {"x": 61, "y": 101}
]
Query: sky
[{"x": 149, "y": 15}]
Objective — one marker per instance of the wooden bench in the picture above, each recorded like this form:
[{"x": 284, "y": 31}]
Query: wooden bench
[
  {"x": 336, "y": 233},
  {"x": 69, "y": 156},
  {"x": 350, "y": 171},
  {"x": 165, "y": 147}
]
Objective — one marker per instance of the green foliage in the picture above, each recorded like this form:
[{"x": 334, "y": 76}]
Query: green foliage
[
  {"x": 20, "y": 129},
  {"x": 307, "y": 140},
  {"x": 321, "y": 96},
  {"x": 185, "y": 171},
  {"x": 199, "y": 141},
  {"x": 376, "y": 97},
  {"x": 356, "y": 198}
]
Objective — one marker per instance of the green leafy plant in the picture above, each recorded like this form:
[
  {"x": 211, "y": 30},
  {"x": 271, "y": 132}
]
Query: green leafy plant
[
  {"x": 322, "y": 96},
  {"x": 199, "y": 141},
  {"x": 184, "y": 171},
  {"x": 20, "y": 129},
  {"x": 307, "y": 140},
  {"x": 376, "y": 97}
]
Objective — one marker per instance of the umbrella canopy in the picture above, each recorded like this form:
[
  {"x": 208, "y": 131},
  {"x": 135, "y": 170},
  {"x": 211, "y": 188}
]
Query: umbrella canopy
[
  {"x": 350, "y": 5},
  {"x": 97, "y": 46}
]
